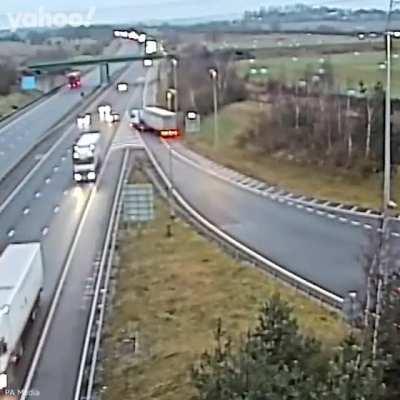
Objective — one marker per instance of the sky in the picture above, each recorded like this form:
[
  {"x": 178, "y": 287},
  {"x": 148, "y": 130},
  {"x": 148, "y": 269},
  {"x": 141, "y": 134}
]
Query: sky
[{"x": 135, "y": 10}]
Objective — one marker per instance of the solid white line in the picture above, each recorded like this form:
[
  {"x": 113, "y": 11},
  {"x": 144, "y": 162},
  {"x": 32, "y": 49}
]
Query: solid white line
[
  {"x": 57, "y": 295},
  {"x": 338, "y": 300}
]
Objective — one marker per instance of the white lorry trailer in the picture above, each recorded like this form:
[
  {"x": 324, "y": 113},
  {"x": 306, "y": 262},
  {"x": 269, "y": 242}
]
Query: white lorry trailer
[
  {"x": 86, "y": 155},
  {"x": 160, "y": 120},
  {"x": 21, "y": 282}
]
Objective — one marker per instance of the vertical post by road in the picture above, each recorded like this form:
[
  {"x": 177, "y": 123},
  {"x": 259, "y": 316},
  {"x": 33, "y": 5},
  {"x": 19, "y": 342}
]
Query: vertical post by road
[
  {"x": 174, "y": 63},
  {"x": 386, "y": 184},
  {"x": 170, "y": 193},
  {"x": 384, "y": 250},
  {"x": 214, "y": 78}
]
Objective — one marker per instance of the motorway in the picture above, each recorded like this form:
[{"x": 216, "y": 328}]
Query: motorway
[
  {"x": 70, "y": 221},
  {"x": 48, "y": 207},
  {"x": 19, "y": 135}
]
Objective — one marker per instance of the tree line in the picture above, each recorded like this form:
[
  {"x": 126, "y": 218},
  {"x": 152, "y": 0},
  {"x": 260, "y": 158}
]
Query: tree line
[{"x": 311, "y": 120}]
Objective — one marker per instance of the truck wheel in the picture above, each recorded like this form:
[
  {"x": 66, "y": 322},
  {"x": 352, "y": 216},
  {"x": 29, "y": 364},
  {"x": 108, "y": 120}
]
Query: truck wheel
[
  {"x": 16, "y": 357},
  {"x": 34, "y": 314},
  {"x": 35, "y": 308}
]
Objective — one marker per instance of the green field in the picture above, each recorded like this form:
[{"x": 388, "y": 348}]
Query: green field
[{"x": 349, "y": 68}]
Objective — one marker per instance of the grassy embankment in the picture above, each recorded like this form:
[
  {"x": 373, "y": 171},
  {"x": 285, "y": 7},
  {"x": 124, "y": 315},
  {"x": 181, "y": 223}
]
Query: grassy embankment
[
  {"x": 302, "y": 179},
  {"x": 18, "y": 99},
  {"x": 171, "y": 292}
]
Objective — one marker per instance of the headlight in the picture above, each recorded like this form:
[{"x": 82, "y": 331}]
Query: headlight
[
  {"x": 78, "y": 177},
  {"x": 92, "y": 176}
]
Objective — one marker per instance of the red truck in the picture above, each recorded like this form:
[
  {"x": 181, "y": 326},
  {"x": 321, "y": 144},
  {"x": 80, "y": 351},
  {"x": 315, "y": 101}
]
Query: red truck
[{"x": 74, "y": 79}]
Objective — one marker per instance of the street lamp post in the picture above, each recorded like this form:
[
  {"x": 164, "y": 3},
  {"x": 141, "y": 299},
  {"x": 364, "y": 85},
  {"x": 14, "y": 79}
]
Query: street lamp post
[
  {"x": 383, "y": 273},
  {"x": 302, "y": 84},
  {"x": 171, "y": 94},
  {"x": 350, "y": 93},
  {"x": 169, "y": 98},
  {"x": 174, "y": 63},
  {"x": 386, "y": 184},
  {"x": 214, "y": 77}
]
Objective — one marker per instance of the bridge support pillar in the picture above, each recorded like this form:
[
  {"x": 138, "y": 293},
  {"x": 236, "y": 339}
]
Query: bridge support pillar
[{"x": 104, "y": 74}]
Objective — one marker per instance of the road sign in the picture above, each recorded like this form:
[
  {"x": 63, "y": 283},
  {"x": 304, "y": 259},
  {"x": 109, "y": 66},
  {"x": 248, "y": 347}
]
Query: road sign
[
  {"x": 28, "y": 82},
  {"x": 192, "y": 122},
  {"x": 138, "y": 202}
]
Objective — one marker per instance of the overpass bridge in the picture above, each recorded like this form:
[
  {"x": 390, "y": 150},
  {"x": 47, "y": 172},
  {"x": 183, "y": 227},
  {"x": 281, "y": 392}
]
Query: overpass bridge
[{"x": 102, "y": 62}]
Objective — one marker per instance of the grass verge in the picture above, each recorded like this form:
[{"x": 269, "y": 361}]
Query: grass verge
[
  {"x": 171, "y": 292},
  {"x": 18, "y": 99},
  {"x": 335, "y": 185}
]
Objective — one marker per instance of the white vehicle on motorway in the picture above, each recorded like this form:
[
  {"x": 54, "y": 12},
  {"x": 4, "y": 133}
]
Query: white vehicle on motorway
[
  {"x": 86, "y": 154},
  {"x": 135, "y": 117},
  {"x": 161, "y": 121},
  {"x": 21, "y": 283},
  {"x": 122, "y": 87}
]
